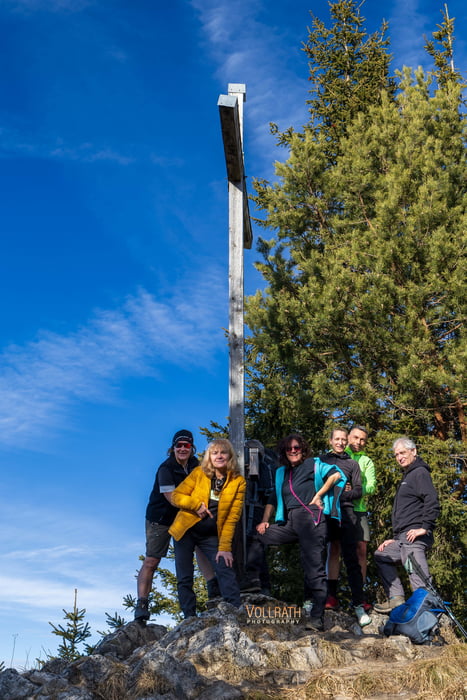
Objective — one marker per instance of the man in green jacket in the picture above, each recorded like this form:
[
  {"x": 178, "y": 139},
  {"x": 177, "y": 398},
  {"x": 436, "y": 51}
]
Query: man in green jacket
[{"x": 357, "y": 439}]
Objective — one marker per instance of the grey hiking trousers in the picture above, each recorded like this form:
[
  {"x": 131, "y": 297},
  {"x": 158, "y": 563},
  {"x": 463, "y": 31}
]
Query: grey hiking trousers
[{"x": 397, "y": 553}]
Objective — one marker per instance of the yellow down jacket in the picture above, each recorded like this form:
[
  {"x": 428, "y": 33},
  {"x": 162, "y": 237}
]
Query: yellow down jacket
[{"x": 194, "y": 490}]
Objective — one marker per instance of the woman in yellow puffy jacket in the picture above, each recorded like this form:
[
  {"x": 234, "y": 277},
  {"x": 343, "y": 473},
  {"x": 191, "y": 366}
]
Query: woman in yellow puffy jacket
[{"x": 210, "y": 500}]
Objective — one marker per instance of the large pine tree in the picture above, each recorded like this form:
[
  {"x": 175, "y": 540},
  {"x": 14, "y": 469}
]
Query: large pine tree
[{"x": 363, "y": 316}]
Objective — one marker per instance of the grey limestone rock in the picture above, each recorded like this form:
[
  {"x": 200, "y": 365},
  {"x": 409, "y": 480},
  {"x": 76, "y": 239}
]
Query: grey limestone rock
[
  {"x": 123, "y": 642},
  {"x": 13, "y": 686},
  {"x": 219, "y": 655}
]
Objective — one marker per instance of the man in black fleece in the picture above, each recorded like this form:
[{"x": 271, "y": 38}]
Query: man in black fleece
[{"x": 414, "y": 513}]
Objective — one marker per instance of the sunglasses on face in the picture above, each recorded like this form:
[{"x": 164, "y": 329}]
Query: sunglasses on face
[
  {"x": 181, "y": 445},
  {"x": 293, "y": 448}
]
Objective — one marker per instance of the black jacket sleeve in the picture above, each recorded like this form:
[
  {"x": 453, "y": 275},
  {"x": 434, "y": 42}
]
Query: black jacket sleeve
[
  {"x": 430, "y": 499},
  {"x": 354, "y": 478}
]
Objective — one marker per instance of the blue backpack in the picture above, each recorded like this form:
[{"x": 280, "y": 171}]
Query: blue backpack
[{"x": 417, "y": 618}]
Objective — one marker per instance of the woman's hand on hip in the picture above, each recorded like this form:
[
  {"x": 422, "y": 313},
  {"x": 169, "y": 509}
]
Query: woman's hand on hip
[
  {"x": 203, "y": 511},
  {"x": 316, "y": 501},
  {"x": 226, "y": 556}
]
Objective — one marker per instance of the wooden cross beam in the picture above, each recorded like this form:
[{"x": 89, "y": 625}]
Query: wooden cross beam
[
  {"x": 232, "y": 138},
  {"x": 240, "y": 237}
]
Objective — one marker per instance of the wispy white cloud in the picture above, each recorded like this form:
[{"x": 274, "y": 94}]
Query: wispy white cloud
[
  {"x": 43, "y": 146},
  {"x": 39, "y": 570},
  {"x": 39, "y": 574},
  {"x": 167, "y": 161},
  {"x": 29, "y": 6},
  {"x": 40, "y": 592},
  {"x": 413, "y": 21},
  {"x": 248, "y": 51},
  {"x": 409, "y": 22},
  {"x": 41, "y": 380},
  {"x": 117, "y": 54},
  {"x": 88, "y": 153},
  {"x": 45, "y": 554}
]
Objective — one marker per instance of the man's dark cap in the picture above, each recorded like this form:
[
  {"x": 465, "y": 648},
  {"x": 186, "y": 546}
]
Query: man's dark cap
[{"x": 186, "y": 435}]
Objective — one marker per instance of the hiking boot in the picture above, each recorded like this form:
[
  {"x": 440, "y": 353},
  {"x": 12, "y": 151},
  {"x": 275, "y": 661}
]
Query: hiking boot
[
  {"x": 142, "y": 610},
  {"x": 213, "y": 588},
  {"x": 315, "y": 624},
  {"x": 386, "y": 606},
  {"x": 363, "y": 618},
  {"x": 331, "y": 603},
  {"x": 250, "y": 586}
]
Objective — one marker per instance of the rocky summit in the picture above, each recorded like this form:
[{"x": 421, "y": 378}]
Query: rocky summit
[{"x": 262, "y": 650}]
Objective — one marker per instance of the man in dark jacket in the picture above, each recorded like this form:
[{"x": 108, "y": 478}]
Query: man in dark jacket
[
  {"x": 414, "y": 513},
  {"x": 160, "y": 513}
]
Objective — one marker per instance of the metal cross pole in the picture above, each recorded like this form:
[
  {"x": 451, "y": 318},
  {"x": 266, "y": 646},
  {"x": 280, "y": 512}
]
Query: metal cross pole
[{"x": 240, "y": 236}]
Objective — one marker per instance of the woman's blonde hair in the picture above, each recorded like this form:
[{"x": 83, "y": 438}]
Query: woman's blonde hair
[{"x": 232, "y": 464}]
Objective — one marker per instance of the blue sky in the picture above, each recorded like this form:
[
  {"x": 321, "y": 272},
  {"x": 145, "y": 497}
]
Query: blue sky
[{"x": 113, "y": 264}]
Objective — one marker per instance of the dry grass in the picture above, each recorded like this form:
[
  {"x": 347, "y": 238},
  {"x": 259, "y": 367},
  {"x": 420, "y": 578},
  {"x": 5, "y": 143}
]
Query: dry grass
[
  {"x": 113, "y": 687},
  {"x": 149, "y": 683},
  {"x": 443, "y": 678},
  {"x": 266, "y": 694},
  {"x": 331, "y": 654},
  {"x": 231, "y": 672},
  {"x": 261, "y": 633},
  {"x": 280, "y": 659}
]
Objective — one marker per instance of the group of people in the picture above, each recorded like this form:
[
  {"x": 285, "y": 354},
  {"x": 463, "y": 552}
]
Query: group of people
[{"x": 319, "y": 502}]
